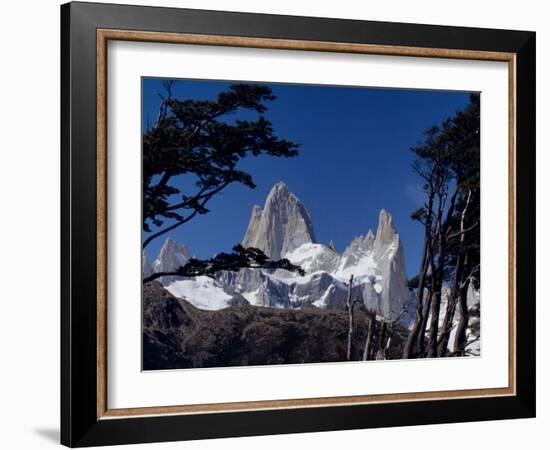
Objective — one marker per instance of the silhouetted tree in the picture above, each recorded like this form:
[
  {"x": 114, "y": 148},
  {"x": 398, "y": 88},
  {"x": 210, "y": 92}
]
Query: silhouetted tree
[
  {"x": 448, "y": 162},
  {"x": 238, "y": 259},
  {"x": 199, "y": 141}
]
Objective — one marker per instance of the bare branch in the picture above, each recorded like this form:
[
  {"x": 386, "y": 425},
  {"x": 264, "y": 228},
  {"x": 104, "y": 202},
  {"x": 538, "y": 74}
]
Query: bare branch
[
  {"x": 466, "y": 230},
  {"x": 198, "y": 209},
  {"x": 468, "y": 279}
]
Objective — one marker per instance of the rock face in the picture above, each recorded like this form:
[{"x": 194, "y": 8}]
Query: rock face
[
  {"x": 171, "y": 256},
  {"x": 282, "y": 226},
  {"x": 284, "y": 229},
  {"x": 359, "y": 247},
  {"x": 388, "y": 251},
  {"x": 385, "y": 233},
  {"x": 146, "y": 267}
]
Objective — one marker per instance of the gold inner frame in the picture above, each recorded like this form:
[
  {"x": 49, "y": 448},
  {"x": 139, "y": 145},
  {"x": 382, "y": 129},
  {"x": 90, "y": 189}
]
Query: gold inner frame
[{"x": 104, "y": 35}]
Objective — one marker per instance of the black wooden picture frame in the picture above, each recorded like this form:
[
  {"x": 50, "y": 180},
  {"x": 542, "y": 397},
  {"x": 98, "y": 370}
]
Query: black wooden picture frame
[{"x": 82, "y": 421}]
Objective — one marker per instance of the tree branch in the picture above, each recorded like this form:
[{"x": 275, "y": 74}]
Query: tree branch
[
  {"x": 470, "y": 276},
  {"x": 466, "y": 230},
  {"x": 198, "y": 210},
  {"x": 167, "y": 229},
  {"x": 240, "y": 258}
]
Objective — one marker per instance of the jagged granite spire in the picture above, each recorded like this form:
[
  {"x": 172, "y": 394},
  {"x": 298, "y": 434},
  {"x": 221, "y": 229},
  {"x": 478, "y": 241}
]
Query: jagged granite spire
[
  {"x": 385, "y": 234},
  {"x": 357, "y": 249},
  {"x": 388, "y": 251},
  {"x": 171, "y": 256},
  {"x": 282, "y": 226}
]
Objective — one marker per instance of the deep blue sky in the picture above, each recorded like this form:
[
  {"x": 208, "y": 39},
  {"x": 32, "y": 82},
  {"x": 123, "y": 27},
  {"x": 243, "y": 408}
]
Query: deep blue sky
[{"x": 354, "y": 160}]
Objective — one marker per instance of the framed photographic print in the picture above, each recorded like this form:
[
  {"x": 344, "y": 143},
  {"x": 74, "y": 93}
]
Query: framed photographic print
[{"x": 277, "y": 224}]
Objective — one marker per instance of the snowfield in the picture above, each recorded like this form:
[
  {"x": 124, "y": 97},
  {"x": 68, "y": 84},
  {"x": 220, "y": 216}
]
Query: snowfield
[{"x": 202, "y": 292}]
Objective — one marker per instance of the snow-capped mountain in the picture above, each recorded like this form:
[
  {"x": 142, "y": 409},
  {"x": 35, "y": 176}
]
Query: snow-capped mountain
[
  {"x": 171, "y": 256},
  {"x": 282, "y": 226},
  {"x": 284, "y": 229}
]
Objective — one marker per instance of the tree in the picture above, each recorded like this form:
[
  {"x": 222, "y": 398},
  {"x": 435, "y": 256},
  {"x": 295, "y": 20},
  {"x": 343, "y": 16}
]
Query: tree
[
  {"x": 240, "y": 258},
  {"x": 198, "y": 141},
  {"x": 350, "y": 307},
  {"x": 448, "y": 162},
  {"x": 465, "y": 256},
  {"x": 371, "y": 322}
]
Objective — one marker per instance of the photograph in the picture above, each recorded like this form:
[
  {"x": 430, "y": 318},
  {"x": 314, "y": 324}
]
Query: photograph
[
  {"x": 299, "y": 223},
  {"x": 278, "y": 222}
]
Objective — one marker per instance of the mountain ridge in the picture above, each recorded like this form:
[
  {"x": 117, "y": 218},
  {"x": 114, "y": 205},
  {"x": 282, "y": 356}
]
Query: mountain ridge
[{"x": 283, "y": 228}]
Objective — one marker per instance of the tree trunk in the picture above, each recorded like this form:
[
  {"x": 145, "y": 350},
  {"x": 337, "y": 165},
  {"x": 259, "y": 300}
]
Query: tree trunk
[
  {"x": 421, "y": 339},
  {"x": 455, "y": 290},
  {"x": 434, "y": 325},
  {"x": 460, "y": 337},
  {"x": 437, "y": 272},
  {"x": 447, "y": 325},
  {"x": 388, "y": 345},
  {"x": 426, "y": 254},
  {"x": 368, "y": 341},
  {"x": 413, "y": 335},
  {"x": 380, "y": 352},
  {"x": 437, "y": 285},
  {"x": 349, "y": 305}
]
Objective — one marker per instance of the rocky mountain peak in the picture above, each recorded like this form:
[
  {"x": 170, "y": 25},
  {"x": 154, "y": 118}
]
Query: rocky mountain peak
[
  {"x": 386, "y": 230},
  {"x": 283, "y": 225},
  {"x": 388, "y": 251},
  {"x": 283, "y": 228},
  {"x": 359, "y": 247},
  {"x": 360, "y": 244},
  {"x": 279, "y": 189},
  {"x": 385, "y": 234},
  {"x": 171, "y": 256},
  {"x": 146, "y": 267}
]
